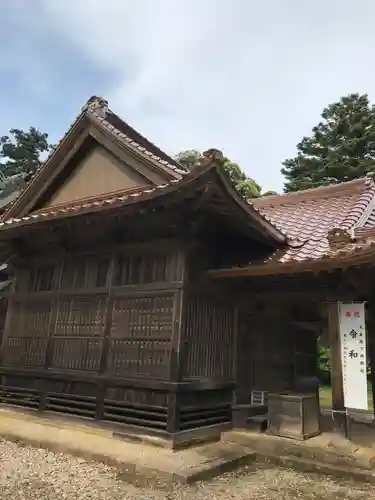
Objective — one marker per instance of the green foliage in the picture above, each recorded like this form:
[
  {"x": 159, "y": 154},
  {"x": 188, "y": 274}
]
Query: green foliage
[
  {"x": 325, "y": 363},
  {"x": 324, "y": 359},
  {"x": 270, "y": 193},
  {"x": 188, "y": 158},
  {"x": 341, "y": 147},
  {"x": 246, "y": 186},
  {"x": 20, "y": 151}
]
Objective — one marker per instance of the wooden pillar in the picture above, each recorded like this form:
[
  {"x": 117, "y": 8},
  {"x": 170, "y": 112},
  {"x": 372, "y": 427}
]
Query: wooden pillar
[{"x": 339, "y": 417}]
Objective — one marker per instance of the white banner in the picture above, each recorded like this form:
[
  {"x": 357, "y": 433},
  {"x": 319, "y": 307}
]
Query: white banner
[{"x": 353, "y": 354}]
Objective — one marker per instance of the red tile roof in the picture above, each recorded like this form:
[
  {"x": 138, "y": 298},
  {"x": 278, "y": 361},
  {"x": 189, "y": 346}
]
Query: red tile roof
[
  {"x": 361, "y": 250},
  {"x": 96, "y": 110},
  {"x": 304, "y": 218},
  {"x": 210, "y": 161},
  {"x": 170, "y": 166},
  {"x": 90, "y": 205},
  {"x": 307, "y": 216},
  {"x": 327, "y": 226}
]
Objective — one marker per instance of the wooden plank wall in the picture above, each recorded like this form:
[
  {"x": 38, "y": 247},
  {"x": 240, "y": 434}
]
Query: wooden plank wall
[
  {"x": 95, "y": 313},
  {"x": 265, "y": 358},
  {"x": 208, "y": 337}
]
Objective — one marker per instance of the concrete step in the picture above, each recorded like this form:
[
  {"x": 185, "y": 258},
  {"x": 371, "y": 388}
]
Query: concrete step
[
  {"x": 257, "y": 423},
  {"x": 133, "y": 460},
  {"x": 326, "y": 448},
  {"x": 314, "y": 466}
]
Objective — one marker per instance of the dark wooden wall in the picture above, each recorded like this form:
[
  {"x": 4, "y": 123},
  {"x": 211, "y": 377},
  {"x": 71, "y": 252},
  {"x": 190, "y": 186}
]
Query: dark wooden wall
[
  {"x": 275, "y": 346},
  {"x": 119, "y": 335},
  {"x": 265, "y": 350},
  {"x": 106, "y": 313},
  {"x": 137, "y": 333},
  {"x": 93, "y": 334},
  {"x": 208, "y": 337}
]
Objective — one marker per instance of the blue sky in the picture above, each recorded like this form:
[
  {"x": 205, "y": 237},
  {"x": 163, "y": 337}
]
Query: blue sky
[{"x": 248, "y": 77}]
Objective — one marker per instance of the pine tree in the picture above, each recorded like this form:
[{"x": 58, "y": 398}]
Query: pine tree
[{"x": 341, "y": 147}]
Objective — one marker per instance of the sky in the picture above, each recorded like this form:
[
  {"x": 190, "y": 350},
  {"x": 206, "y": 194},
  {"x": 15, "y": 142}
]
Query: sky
[{"x": 250, "y": 78}]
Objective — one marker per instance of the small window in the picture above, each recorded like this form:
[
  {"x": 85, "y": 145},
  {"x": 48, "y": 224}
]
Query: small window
[
  {"x": 258, "y": 397},
  {"x": 144, "y": 268}
]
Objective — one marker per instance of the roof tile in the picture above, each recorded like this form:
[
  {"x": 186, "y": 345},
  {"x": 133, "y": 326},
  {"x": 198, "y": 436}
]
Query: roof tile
[
  {"x": 98, "y": 113},
  {"x": 308, "y": 216}
]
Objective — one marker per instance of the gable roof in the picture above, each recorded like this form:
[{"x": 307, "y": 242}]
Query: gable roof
[
  {"x": 310, "y": 219},
  {"x": 210, "y": 164},
  {"x": 96, "y": 113}
]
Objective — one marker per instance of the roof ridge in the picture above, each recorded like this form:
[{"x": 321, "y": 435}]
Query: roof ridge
[
  {"x": 163, "y": 164},
  {"x": 113, "y": 118},
  {"x": 364, "y": 218},
  {"x": 97, "y": 107},
  {"x": 319, "y": 192}
]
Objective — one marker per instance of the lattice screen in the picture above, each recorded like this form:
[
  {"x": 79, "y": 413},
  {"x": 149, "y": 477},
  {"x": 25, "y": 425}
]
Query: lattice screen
[
  {"x": 141, "y": 334},
  {"x": 27, "y": 332},
  {"x": 78, "y": 333}
]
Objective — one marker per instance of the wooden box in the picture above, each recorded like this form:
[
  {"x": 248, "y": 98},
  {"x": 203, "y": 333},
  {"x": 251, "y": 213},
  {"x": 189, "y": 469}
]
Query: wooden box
[{"x": 295, "y": 416}]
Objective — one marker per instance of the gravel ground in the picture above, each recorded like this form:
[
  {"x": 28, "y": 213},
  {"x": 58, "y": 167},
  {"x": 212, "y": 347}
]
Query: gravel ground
[{"x": 27, "y": 474}]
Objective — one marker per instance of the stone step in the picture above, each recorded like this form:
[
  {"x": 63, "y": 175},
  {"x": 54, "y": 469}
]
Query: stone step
[
  {"x": 314, "y": 466},
  {"x": 257, "y": 423},
  {"x": 325, "y": 448}
]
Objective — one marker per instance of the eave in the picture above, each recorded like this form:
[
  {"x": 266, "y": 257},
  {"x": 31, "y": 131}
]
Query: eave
[
  {"x": 355, "y": 254},
  {"x": 206, "y": 176}
]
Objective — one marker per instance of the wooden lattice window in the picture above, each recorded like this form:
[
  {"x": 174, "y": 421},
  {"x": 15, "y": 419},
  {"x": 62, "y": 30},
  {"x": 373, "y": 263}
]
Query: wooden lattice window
[
  {"x": 135, "y": 269},
  {"x": 27, "y": 333},
  {"x": 143, "y": 317},
  {"x": 80, "y": 317},
  {"x": 102, "y": 271},
  {"x": 78, "y": 334},
  {"x": 42, "y": 278},
  {"x": 29, "y": 318},
  {"x": 85, "y": 272},
  {"x": 73, "y": 276},
  {"x": 140, "y": 335}
]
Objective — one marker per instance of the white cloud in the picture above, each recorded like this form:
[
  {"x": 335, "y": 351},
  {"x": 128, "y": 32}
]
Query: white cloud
[{"x": 244, "y": 76}]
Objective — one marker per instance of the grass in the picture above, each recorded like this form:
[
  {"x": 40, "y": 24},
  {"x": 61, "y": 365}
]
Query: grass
[{"x": 325, "y": 396}]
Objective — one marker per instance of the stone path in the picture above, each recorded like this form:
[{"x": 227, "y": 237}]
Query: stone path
[{"x": 30, "y": 473}]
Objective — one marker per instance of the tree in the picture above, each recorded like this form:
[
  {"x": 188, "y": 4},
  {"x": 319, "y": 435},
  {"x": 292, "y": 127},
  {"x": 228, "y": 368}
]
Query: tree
[
  {"x": 270, "y": 193},
  {"x": 341, "y": 147},
  {"x": 20, "y": 152},
  {"x": 246, "y": 186},
  {"x": 324, "y": 364}
]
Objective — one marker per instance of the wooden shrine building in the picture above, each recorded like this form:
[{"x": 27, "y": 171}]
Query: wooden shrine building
[{"x": 155, "y": 300}]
